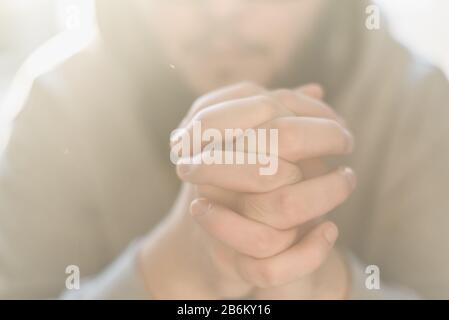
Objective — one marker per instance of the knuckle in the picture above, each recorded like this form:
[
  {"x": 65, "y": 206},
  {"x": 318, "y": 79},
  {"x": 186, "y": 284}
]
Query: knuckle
[
  {"x": 317, "y": 256},
  {"x": 282, "y": 126},
  {"x": 295, "y": 209},
  {"x": 265, "y": 209},
  {"x": 268, "y": 106},
  {"x": 343, "y": 188},
  {"x": 339, "y": 131},
  {"x": 333, "y": 124},
  {"x": 336, "y": 191},
  {"x": 259, "y": 273},
  {"x": 268, "y": 183},
  {"x": 263, "y": 244},
  {"x": 326, "y": 202},
  {"x": 211, "y": 192},
  {"x": 287, "y": 207},
  {"x": 267, "y": 275},
  {"x": 292, "y": 138},
  {"x": 288, "y": 173},
  {"x": 292, "y": 142},
  {"x": 270, "y": 242},
  {"x": 253, "y": 207},
  {"x": 287, "y": 97},
  {"x": 249, "y": 86},
  {"x": 298, "y": 144}
]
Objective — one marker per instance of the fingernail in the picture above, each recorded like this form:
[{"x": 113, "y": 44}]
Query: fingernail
[
  {"x": 200, "y": 207},
  {"x": 331, "y": 234},
  {"x": 349, "y": 141},
  {"x": 349, "y": 174}
]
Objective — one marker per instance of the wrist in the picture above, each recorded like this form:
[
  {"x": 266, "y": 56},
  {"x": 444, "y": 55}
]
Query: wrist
[
  {"x": 171, "y": 261},
  {"x": 332, "y": 280}
]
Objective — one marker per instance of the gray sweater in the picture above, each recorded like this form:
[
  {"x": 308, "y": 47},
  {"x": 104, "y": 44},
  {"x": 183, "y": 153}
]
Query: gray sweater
[{"x": 82, "y": 180}]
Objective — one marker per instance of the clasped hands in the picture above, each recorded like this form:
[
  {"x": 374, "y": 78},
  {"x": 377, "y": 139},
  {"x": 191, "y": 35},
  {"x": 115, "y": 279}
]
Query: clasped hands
[{"x": 236, "y": 233}]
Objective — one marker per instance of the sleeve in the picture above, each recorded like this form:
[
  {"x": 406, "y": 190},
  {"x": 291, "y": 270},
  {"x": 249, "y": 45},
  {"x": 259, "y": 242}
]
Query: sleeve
[
  {"x": 407, "y": 233},
  {"x": 48, "y": 213},
  {"x": 120, "y": 280}
]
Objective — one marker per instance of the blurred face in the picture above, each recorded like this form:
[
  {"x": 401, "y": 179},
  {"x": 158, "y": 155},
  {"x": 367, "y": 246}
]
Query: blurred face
[{"x": 218, "y": 42}]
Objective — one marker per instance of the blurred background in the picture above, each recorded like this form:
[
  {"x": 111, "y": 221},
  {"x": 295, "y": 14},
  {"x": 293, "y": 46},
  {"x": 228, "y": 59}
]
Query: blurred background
[{"x": 423, "y": 25}]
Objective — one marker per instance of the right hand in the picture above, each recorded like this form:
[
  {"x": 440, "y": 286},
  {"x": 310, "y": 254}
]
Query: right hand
[{"x": 179, "y": 259}]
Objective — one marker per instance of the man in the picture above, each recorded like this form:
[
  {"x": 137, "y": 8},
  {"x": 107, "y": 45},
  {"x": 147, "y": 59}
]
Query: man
[{"x": 86, "y": 172}]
